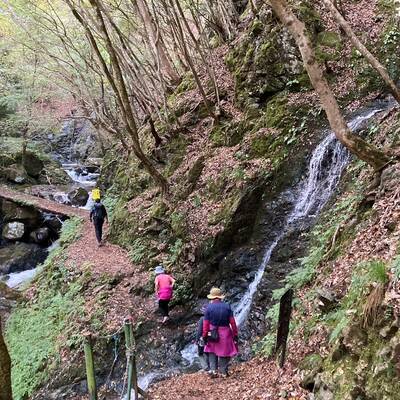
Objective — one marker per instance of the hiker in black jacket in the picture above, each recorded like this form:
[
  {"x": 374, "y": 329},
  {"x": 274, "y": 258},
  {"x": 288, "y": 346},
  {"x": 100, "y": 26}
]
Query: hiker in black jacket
[{"x": 98, "y": 214}]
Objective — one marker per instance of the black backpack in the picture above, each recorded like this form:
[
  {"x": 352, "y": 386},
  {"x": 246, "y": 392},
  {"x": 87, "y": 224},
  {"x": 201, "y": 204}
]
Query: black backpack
[{"x": 98, "y": 211}]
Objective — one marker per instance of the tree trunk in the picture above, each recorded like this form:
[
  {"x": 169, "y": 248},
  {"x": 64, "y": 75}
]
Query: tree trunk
[
  {"x": 362, "y": 49},
  {"x": 156, "y": 41},
  {"x": 190, "y": 61},
  {"x": 365, "y": 151},
  {"x": 118, "y": 85},
  {"x": 5, "y": 370}
]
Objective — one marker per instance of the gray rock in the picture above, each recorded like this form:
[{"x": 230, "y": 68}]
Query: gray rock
[
  {"x": 13, "y": 230},
  {"x": 388, "y": 331},
  {"x": 78, "y": 197},
  {"x": 16, "y": 174},
  {"x": 326, "y": 300},
  {"x": 40, "y": 236},
  {"x": 33, "y": 164},
  {"x": 390, "y": 178},
  {"x": 20, "y": 257},
  {"x": 354, "y": 339},
  {"x": 13, "y": 211},
  {"x": 53, "y": 222},
  {"x": 321, "y": 390},
  {"x": 44, "y": 191},
  {"x": 62, "y": 198}
]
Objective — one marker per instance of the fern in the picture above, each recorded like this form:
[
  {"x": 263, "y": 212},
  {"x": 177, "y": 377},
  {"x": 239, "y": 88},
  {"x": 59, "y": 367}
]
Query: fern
[{"x": 139, "y": 250}]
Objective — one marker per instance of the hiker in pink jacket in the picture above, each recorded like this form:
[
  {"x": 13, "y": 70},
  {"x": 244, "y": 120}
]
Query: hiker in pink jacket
[{"x": 164, "y": 286}]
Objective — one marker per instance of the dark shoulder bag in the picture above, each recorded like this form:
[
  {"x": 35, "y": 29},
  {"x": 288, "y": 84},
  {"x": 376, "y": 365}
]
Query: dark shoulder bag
[{"x": 213, "y": 335}]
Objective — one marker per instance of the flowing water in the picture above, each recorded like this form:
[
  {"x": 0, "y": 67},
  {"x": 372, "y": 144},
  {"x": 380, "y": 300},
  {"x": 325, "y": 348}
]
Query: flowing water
[
  {"x": 19, "y": 280},
  {"x": 324, "y": 170},
  {"x": 307, "y": 199}
]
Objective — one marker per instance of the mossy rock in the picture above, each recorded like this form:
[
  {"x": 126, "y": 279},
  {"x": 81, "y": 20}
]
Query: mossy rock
[
  {"x": 178, "y": 224},
  {"x": 260, "y": 144},
  {"x": 32, "y": 163},
  {"x": 230, "y": 134},
  {"x": 330, "y": 39},
  {"x": 158, "y": 209},
  {"x": 329, "y": 46},
  {"x": 186, "y": 84},
  {"x": 176, "y": 150},
  {"x": 276, "y": 111},
  {"x": 256, "y": 27},
  {"x": 265, "y": 66}
]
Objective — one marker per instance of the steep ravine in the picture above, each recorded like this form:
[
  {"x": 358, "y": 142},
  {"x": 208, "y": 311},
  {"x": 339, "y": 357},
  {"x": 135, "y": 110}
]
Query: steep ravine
[{"x": 252, "y": 272}]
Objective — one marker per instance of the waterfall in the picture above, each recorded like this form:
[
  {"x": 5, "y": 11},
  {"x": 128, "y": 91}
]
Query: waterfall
[
  {"x": 325, "y": 168},
  {"x": 324, "y": 171}
]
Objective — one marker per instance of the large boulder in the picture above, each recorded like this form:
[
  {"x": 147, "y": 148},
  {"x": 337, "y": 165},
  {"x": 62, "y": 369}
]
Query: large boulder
[
  {"x": 40, "y": 236},
  {"x": 16, "y": 212},
  {"x": 20, "y": 257},
  {"x": 54, "y": 223},
  {"x": 16, "y": 174},
  {"x": 78, "y": 197},
  {"x": 33, "y": 164},
  {"x": 13, "y": 230}
]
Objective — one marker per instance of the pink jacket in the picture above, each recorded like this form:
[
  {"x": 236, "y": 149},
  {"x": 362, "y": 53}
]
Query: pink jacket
[{"x": 164, "y": 284}]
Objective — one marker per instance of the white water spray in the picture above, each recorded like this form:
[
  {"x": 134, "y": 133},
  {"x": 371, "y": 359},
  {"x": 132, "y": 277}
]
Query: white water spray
[{"x": 324, "y": 171}]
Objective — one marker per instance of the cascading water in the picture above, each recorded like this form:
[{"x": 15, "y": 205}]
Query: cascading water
[
  {"x": 325, "y": 168},
  {"x": 308, "y": 198}
]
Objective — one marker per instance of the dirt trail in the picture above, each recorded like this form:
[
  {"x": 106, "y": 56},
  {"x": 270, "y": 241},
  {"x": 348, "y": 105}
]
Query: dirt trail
[{"x": 109, "y": 259}]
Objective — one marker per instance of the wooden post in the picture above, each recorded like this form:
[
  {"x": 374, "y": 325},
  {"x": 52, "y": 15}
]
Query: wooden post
[
  {"x": 132, "y": 373},
  {"x": 132, "y": 370},
  {"x": 5, "y": 370},
  {"x": 285, "y": 312},
  {"x": 89, "y": 361},
  {"x": 133, "y": 357}
]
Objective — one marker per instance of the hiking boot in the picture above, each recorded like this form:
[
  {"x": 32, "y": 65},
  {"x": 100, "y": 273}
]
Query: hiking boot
[
  {"x": 165, "y": 319},
  {"x": 213, "y": 374}
]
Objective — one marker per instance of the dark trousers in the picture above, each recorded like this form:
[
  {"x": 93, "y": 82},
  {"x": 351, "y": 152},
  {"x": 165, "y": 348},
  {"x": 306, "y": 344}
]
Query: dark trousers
[
  {"x": 221, "y": 363},
  {"x": 164, "y": 307},
  {"x": 98, "y": 228}
]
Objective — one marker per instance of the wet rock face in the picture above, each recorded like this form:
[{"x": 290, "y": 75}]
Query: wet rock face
[
  {"x": 15, "y": 212},
  {"x": 20, "y": 257},
  {"x": 33, "y": 164},
  {"x": 76, "y": 141},
  {"x": 16, "y": 174},
  {"x": 78, "y": 197},
  {"x": 13, "y": 230}
]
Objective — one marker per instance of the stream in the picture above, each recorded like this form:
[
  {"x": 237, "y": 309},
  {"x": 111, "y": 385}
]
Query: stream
[
  {"x": 307, "y": 199},
  {"x": 80, "y": 177}
]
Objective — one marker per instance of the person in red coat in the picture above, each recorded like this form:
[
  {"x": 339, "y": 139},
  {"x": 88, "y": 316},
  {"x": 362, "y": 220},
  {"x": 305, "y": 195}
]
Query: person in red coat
[{"x": 220, "y": 333}]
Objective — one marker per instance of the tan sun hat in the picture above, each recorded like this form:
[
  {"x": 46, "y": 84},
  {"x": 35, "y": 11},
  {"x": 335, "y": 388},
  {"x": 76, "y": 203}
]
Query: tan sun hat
[{"x": 215, "y": 293}]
